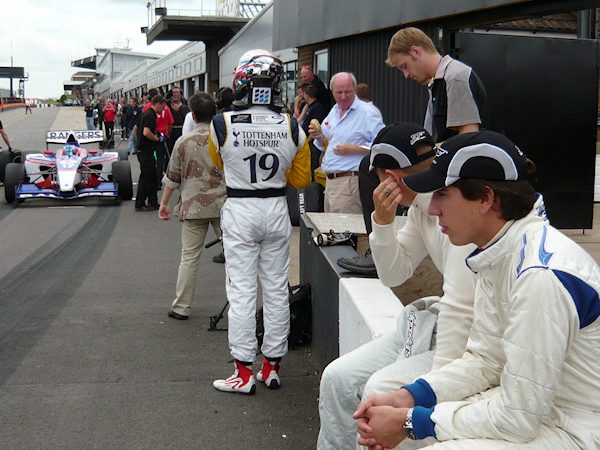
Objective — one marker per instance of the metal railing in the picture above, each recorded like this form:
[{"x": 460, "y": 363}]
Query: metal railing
[{"x": 231, "y": 8}]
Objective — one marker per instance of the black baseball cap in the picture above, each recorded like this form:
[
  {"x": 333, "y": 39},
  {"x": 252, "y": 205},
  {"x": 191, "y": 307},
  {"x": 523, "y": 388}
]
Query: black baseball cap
[
  {"x": 486, "y": 155},
  {"x": 395, "y": 146}
]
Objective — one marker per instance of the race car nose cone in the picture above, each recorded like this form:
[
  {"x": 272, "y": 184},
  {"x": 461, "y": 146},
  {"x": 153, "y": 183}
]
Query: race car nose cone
[{"x": 66, "y": 180}]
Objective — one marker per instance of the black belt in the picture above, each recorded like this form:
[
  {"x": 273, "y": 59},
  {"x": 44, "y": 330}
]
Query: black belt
[
  {"x": 258, "y": 193},
  {"x": 331, "y": 176}
]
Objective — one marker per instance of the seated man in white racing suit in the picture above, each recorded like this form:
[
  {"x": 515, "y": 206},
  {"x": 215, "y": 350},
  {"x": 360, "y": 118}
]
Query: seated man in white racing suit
[
  {"x": 261, "y": 151},
  {"x": 393, "y": 360},
  {"x": 530, "y": 376}
]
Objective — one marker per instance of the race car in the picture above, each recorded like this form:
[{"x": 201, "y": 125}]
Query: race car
[{"x": 70, "y": 172}]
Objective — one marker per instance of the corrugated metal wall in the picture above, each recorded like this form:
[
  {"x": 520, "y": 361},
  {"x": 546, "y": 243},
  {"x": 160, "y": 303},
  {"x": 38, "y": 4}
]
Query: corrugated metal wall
[{"x": 398, "y": 99}]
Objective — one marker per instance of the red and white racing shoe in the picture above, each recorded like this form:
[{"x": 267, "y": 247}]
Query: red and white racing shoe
[
  {"x": 269, "y": 374},
  {"x": 241, "y": 382}
]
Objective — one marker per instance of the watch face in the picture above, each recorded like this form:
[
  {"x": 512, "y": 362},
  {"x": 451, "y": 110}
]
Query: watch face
[{"x": 410, "y": 433}]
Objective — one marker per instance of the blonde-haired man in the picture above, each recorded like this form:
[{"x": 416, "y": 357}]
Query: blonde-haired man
[{"x": 457, "y": 98}]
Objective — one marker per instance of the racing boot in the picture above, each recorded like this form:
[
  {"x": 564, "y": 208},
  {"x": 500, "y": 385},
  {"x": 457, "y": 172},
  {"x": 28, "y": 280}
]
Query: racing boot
[
  {"x": 269, "y": 373},
  {"x": 241, "y": 382}
]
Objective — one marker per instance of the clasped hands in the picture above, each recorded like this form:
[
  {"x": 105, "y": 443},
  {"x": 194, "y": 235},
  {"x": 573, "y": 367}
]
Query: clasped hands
[{"x": 381, "y": 417}]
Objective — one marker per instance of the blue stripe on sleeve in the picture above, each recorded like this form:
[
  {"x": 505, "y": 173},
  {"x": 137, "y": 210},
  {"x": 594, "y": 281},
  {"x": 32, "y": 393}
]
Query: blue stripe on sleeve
[
  {"x": 584, "y": 296},
  {"x": 422, "y": 393},
  {"x": 542, "y": 253},
  {"x": 423, "y": 426}
]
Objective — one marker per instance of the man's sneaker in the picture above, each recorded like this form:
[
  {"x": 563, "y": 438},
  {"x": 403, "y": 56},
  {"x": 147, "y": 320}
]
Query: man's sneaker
[
  {"x": 269, "y": 374},
  {"x": 241, "y": 382},
  {"x": 359, "y": 264},
  {"x": 220, "y": 258}
]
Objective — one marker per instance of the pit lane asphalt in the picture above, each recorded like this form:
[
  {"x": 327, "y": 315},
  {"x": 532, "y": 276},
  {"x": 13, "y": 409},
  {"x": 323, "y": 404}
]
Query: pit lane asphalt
[{"x": 89, "y": 358}]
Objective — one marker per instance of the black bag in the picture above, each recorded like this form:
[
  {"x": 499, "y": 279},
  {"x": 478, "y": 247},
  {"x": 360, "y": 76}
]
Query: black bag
[
  {"x": 300, "y": 317},
  {"x": 314, "y": 198},
  {"x": 294, "y": 206}
]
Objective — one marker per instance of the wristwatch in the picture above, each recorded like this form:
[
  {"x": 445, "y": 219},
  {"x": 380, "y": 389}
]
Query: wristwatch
[{"x": 407, "y": 428}]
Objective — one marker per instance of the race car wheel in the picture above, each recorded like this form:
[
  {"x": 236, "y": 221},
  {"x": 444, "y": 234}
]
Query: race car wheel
[
  {"x": 123, "y": 154},
  {"x": 14, "y": 176},
  {"x": 122, "y": 176},
  {"x": 23, "y": 156},
  {"x": 4, "y": 160},
  {"x": 16, "y": 156}
]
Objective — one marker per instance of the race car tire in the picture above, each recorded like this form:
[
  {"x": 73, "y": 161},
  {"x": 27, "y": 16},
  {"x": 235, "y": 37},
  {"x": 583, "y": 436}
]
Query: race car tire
[
  {"x": 122, "y": 176},
  {"x": 5, "y": 158},
  {"x": 123, "y": 154},
  {"x": 14, "y": 176},
  {"x": 16, "y": 156},
  {"x": 23, "y": 155}
]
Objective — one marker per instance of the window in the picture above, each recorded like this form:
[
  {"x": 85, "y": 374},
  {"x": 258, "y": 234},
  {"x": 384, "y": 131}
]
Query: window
[
  {"x": 322, "y": 66},
  {"x": 288, "y": 88}
]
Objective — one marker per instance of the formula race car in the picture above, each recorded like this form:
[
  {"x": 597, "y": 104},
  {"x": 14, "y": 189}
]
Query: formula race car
[{"x": 70, "y": 172}]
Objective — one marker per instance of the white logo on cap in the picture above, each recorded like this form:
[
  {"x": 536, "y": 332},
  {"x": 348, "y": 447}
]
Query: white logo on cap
[
  {"x": 440, "y": 152},
  {"x": 419, "y": 135}
]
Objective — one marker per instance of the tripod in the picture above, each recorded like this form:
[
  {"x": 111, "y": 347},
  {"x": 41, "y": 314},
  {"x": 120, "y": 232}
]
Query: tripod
[{"x": 214, "y": 320}]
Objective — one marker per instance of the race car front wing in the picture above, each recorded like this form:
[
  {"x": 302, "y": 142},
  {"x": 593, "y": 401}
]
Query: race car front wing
[{"x": 104, "y": 189}]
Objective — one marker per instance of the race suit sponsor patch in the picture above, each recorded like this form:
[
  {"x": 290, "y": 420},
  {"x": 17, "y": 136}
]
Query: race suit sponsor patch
[{"x": 241, "y": 118}]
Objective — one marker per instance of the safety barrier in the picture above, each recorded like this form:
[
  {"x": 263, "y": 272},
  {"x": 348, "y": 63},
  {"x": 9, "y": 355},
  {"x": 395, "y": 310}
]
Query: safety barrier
[
  {"x": 4, "y": 106},
  {"x": 367, "y": 309}
]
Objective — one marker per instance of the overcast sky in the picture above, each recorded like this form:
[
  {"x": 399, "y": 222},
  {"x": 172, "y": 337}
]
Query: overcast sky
[{"x": 47, "y": 35}]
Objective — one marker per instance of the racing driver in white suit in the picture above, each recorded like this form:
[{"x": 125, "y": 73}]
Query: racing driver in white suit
[
  {"x": 530, "y": 376},
  {"x": 261, "y": 152}
]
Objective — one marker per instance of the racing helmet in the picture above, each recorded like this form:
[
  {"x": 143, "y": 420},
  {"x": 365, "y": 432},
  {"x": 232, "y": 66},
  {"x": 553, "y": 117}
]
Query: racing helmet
[
  {"x": 257, "y": 80},
  {"x": 69, "y": 149}
]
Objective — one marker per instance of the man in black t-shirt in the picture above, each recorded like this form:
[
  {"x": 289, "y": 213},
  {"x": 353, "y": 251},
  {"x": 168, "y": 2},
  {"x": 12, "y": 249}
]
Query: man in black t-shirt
[
  {"x": 315, "y": 110},
  {"x": 324, "y": 94},
  {"x": 89, "y": 115},
  {"x": 147, "y": 140},
  {"x": 100, "y": 113},
  {"x": 179, "y": 110}
]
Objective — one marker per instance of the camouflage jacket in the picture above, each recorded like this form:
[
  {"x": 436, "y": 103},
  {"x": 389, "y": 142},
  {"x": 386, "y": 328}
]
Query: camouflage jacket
[{"x": 201, "y": 184}]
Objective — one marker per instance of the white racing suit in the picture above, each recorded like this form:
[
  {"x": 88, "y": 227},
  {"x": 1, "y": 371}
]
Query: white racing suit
[
  {"x": 389, "y": 362},
  {"x": 530, "y": 377},
  {"x": 261, "y": 152}
]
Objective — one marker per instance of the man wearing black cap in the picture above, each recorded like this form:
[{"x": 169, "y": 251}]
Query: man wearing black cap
[
  {"x": 396, "y": 359},
  {"x": 457, "y": 104},
  {"x": 530, "y": 375}
]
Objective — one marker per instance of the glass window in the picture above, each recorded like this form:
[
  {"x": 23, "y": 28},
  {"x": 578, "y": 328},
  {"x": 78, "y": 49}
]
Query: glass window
[
  {"x": 322, "y": 66},
  {"x": 290, "y": 70},
  {"x": 289, "y": 85}
]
